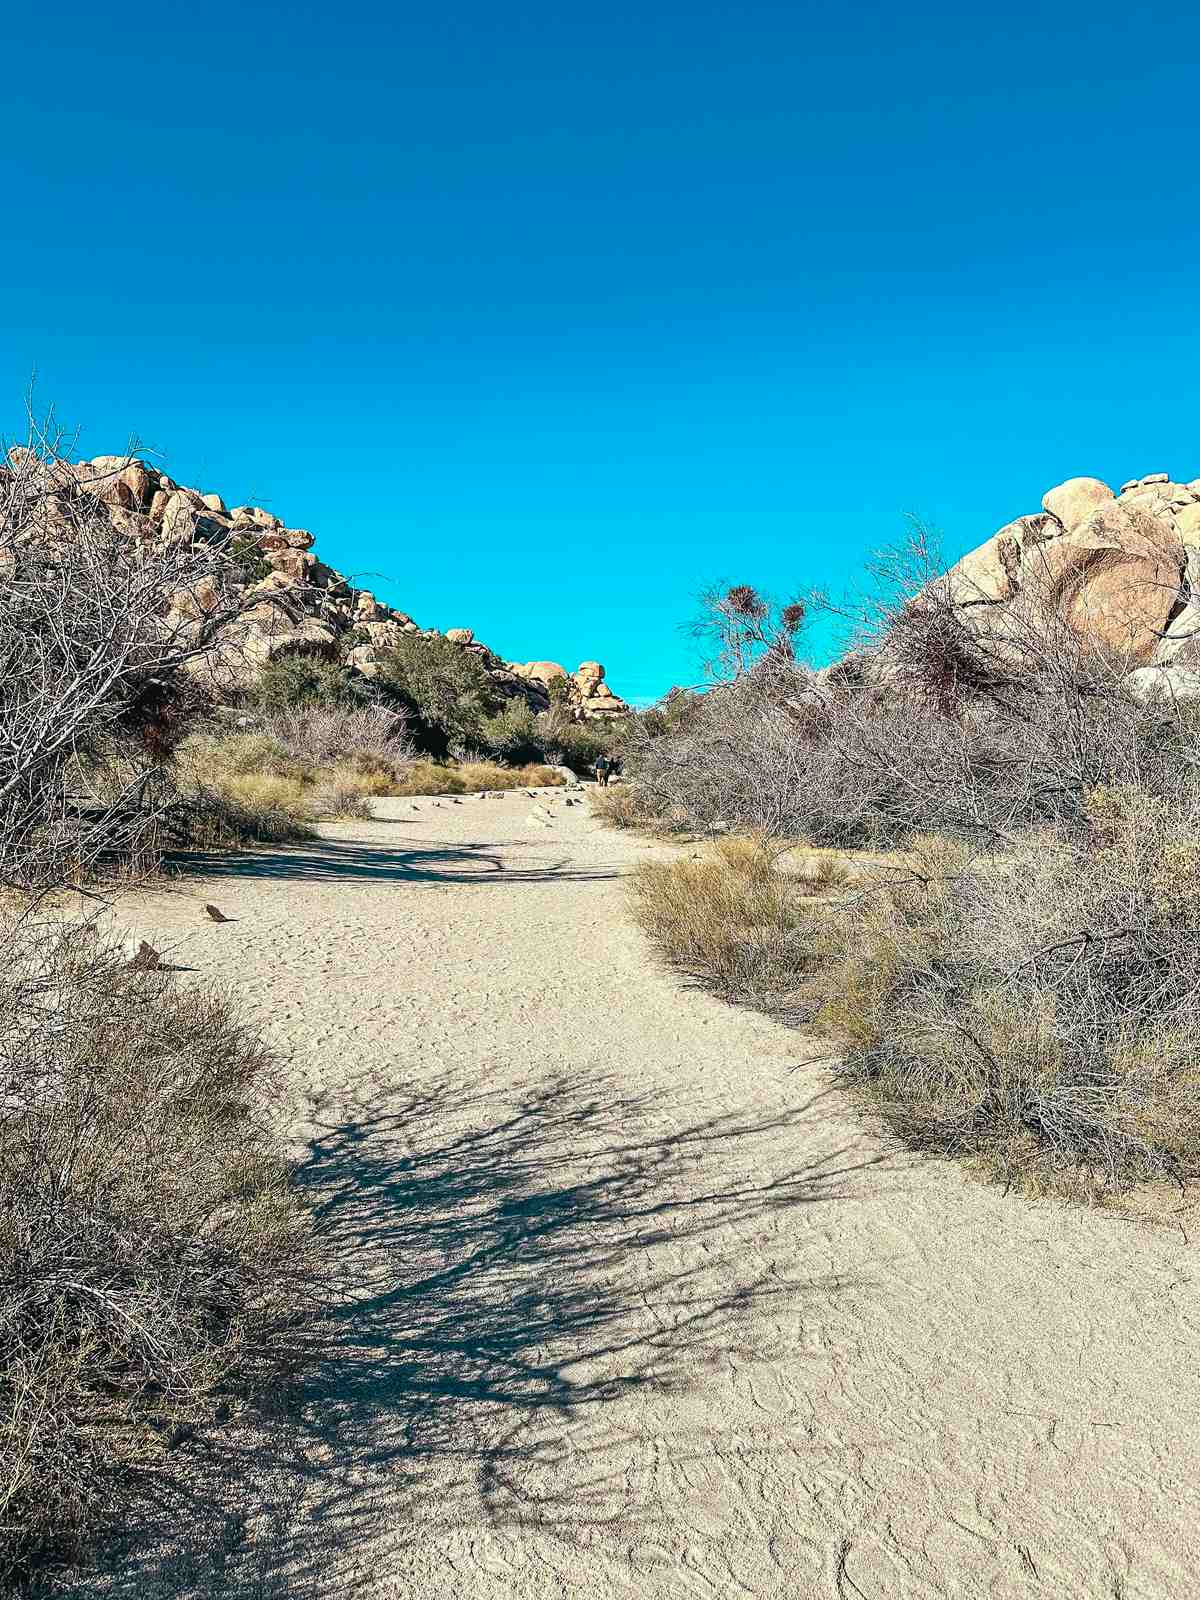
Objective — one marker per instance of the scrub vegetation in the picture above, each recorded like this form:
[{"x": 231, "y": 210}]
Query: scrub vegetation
[{"x": 1005, "y": 946}]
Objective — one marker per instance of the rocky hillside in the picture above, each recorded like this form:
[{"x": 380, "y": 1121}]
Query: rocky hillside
[
  {"x": 295, "y": 603},
  {"x": 1122, "y": 570}
]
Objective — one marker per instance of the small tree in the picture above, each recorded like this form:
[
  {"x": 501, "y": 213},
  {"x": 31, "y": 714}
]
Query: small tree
[
  {"x": 446, "y": 688},
  {"x": 294, "y": 682}
]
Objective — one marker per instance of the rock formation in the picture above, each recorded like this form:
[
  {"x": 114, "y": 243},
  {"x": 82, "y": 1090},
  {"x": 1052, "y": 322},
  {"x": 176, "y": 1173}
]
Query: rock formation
[
  {"x": 294, "y": 603},
  {"x": 1122, "y": 570}
]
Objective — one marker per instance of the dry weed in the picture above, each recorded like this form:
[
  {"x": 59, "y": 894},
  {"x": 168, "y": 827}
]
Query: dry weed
[{"x": 152, "y": 1256}]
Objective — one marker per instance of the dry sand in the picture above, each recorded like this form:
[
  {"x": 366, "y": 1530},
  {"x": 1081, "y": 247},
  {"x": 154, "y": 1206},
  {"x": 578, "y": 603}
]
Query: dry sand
[{"x": 634, "y": 1306}]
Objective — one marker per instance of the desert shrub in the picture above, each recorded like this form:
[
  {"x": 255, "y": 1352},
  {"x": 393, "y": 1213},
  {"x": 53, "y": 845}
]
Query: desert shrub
[
  {"x": 250, "y": 752},
  {"x": 513, "y": 734},
  {"x": 341, "y": 796},
  {"x": 239, "y": 788},
  {"x": 578, "y": 745},
  {"x": 248, "y": 558},
  {"x": 239, "y": 813},
  {"x": 1031, "y": 1011},
  {"x": 432, "y": 778},
  {"x": 728, "y": 918},
  {"x": 940, "y": 720},
  {"x": 154, "y": 1264},
  {"x": 630, "y": 805},
  {"x": 1034, "y": 1010},
  {"x": 1016, "y": 982},
  {"x": 444, "y": 686},
  {"x": 374, "y": 737},
  {"x": 516, "y": 736},
  {"x": 96, "y": 682},
  {"x": 296, "y": 682},
  {"x": 268, "y": 784}
]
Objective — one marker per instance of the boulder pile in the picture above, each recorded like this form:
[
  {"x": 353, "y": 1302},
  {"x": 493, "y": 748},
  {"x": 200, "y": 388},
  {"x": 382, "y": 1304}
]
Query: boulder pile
[
  {"x": 1121, "y": 569},
  {"x": 293, "y": 603}
]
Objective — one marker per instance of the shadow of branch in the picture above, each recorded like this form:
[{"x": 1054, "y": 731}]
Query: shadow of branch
[{"x": 508, "y": 1270}]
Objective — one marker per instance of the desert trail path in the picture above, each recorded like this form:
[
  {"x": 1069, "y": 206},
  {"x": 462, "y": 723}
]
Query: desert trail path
[{"x": 632, "y": 1306}]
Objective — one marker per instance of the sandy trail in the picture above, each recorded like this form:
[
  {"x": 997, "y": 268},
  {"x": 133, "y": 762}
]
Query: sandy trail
[{"x": 635, "y": 1308}]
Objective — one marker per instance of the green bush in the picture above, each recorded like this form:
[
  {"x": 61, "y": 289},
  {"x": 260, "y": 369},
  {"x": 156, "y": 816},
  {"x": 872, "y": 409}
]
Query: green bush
[
  {"x": 513, "y": 734},
  {"x": 446, "y": 689},
  {"x": 293, "y": 682}
]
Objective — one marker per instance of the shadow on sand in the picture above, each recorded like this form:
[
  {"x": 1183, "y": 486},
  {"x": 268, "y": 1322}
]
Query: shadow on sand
[
  {"x": 352, "y": 861},
  {"x": 508, "y": 1269}
]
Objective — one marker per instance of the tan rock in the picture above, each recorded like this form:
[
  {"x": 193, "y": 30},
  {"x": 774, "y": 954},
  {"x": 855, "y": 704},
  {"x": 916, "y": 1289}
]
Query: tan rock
[
  {"x": 986, "y": 574},
  {"x": 213, "y": 502},
  {"x": 543, "y": 671},
  {"x": 459, "y": 635},
  {"x": 1164, "y": 685},
  {"x": 178, "y": 517},
  {"x": 1187, "y": 521},
  {"x": 300, "y": 565},
  {"x": 197, "y": 601},
  {"x": 139, "y": 483},
  {"x": 382, "y": 634},
  {"x": 308, "y": 638},
  {"x": 1155, "y": 477},
  {"x": 363, "y": 659},
  {"x": 1115, "y": 580},
  {"x": 1071, "y": 502}
]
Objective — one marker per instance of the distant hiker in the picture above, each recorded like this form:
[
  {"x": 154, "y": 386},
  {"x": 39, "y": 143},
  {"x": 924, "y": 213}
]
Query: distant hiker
[{"x": 603, "y": 768}]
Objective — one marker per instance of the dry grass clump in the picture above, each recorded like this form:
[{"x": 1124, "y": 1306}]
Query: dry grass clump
[
  {"x": 730, "y": 919},
  {"x": 153, "y": 1263},
  {"x": 343, "y": 797},
  {"x": 368, "y": 738},
  {"x": 478, "y": 775},
  {"x": 268, "y": 785},
  {"x": 469, "y": 777},
  {"x": 1035, "y": 1012},
  {"x": 630, "y": 805}
]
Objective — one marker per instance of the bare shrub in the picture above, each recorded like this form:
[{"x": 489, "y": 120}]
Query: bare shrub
[
  {"x": 623, "y": 806},
  {"x": 946, "y": 718},
  {"x": 95, "y": 687},
  {"x": 1036, "y": 1009},
  {"x": 152, "y": 1258},
  {"x": 342, "y": 796},
  {"x": 319, "y": 736}
]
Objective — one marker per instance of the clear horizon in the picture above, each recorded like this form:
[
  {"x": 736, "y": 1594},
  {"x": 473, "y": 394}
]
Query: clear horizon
[{"x": 554, "y": 319}]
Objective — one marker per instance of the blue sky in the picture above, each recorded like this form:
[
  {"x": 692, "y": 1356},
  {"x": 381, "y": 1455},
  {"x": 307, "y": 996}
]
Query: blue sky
[{"x": 554, "y": 315}]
